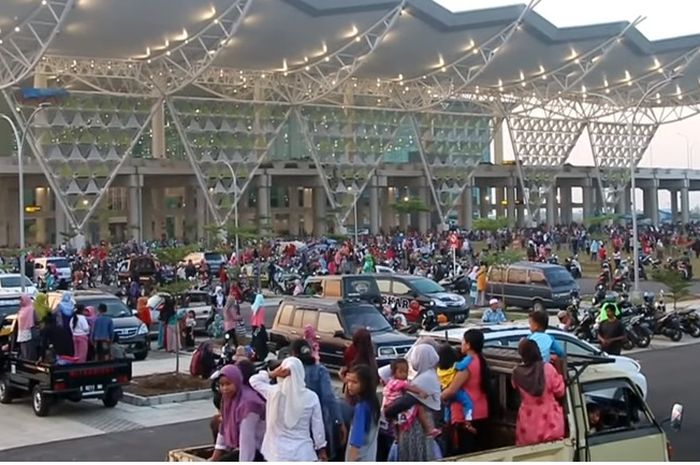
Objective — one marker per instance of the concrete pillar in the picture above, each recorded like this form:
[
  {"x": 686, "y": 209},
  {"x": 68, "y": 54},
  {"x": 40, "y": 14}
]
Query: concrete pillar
[
  {"x": 484, "y": 202},
  {"x": 552, "y": 207},
  {"x": 61, "y": 222},
  {"x": 589, "y": 192},
  {"x": 150, "y": 223},
  {"x": 191, "y": 213},
  {"x": 566, "y": 210},
  {"x": 498, "y": 146},
  {"x": 500, "y": 200},
  {"x": 510, "y": 198},
  {"x": 467, "y": 210},
  {"x": 426, "y": 196},
  {"x": 158, "y": 136},
  {"x": 520, "y": 208},
  {"x": 4, "y": 215},
  {"x": 264, "y": 183},
  {"x": 685, "y": 203},
  {"x": 320, "y": 211},
  {"x": 674, "y": 205},
  {"x": 375, "y": 223},
  {"x": 623, "y": 203},
  {"x": 294, "y": 207},
  {"x": 651, "y": 202},
  {"x": 135, "y": 218}
]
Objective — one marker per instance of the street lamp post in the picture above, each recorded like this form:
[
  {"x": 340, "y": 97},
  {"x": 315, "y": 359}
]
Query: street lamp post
[
  {"x": 19, "y": 140},
  {"x": 633, "y": 167},
  {"x": 688, "y": 150}
]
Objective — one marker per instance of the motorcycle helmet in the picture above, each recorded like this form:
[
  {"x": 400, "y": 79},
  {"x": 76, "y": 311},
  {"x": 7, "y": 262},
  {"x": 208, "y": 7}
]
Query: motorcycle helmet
[{"x": 648, "y": 297}]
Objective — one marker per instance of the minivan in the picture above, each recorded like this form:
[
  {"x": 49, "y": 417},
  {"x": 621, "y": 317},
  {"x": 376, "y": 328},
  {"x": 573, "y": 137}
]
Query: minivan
[
  {"x": 533, "y": 285},
  {"x": 347, "y": 286}
]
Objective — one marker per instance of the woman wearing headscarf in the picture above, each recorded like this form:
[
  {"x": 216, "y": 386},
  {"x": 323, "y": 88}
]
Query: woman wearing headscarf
[
  {"x": 413, "y": 444},
  {"x": 242, "y": 418},
  {"x": 310, "y": 338},
  {"x": 318, "y": 379},
  {"x": 41, "y": 306},
  {"x": 292, "y": 412},
  {"x": 540, "y": 417},
  {"x": 80, "y": 328},
  {"x": 257, "y": 322},
  {"x": 26, "y": 320},
  {"x": 65, "y": 308},
  {"x": 474, "y": 380}
]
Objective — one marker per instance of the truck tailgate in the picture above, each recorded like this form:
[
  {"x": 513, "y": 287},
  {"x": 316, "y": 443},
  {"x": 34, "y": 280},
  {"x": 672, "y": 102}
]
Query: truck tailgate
[
  {"x": 92, "y": 373},
  {"x": 559, "y": 451},
  {"x": 191, "y": 454}
]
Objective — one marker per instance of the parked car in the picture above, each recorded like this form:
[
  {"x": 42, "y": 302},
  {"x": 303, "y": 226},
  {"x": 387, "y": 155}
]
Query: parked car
[
  {"x": 532, "y": 285},
  {"x": 133, "y": 334},
  {"x": 335, "y": 322},
  {"x": 400, "y": 290},
  {"x": 348, "y": 286},
  {"x": 144, "y": 267},
  {"x": 62, "y": 265},
  {"x": 213, "y": 259},
  {"x": 11, "y": 283},
  {"x": 510, "y": 335}
]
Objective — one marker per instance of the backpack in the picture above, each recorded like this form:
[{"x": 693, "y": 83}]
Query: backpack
[{"x": 196, "y": 364}]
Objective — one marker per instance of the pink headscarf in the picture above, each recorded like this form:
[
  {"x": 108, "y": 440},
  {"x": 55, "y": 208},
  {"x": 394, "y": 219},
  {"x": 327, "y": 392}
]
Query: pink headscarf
[
  {"x": 234, "y": 410},
  {"x": 91, "y": 315},
  {"x": 310, "y": 337},
  {"x": 25, "y": 316}
]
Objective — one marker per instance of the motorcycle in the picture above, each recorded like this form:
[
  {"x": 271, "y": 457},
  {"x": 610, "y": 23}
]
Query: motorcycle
[
  {"x": 637, "y": 333},
  {"x": 690, "y": 322},
  {"x": 459, "y": 284},
  {"x": 664, "y": 323},
  {"x": 587, "y": 329},
  {"x": 574, "y": 267}
]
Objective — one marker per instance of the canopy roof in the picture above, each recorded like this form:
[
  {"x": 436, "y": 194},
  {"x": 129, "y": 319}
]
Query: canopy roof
[{"x": 514, "y": 49}]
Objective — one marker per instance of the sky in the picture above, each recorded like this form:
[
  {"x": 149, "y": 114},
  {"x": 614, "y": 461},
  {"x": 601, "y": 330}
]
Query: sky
[{"x": 664, "y": 19}]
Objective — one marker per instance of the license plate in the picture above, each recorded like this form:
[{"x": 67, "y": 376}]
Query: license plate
[{"x": 92, "y": 388}]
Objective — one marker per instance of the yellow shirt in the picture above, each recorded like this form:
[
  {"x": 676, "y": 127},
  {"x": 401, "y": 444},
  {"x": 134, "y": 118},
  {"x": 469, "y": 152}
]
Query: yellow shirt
[{"x": 446, "y": 376}]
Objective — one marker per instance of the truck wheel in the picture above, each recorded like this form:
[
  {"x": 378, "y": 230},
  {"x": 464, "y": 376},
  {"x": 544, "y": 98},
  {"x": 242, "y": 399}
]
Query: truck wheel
[
  {"x": 40, "y": 402},
  {"x": 140, "y": 356},
  {"x": 111, "y": 397},
  {"x": 6, "y": 391}
]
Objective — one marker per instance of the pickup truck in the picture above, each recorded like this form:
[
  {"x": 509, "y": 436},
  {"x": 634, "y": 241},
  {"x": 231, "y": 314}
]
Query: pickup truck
[
  {"x": 628, "y": 430},
  {"x": 47, "y": 383}
]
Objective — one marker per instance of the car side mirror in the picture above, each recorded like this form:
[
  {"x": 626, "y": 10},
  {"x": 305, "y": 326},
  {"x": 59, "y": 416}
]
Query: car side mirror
[
  {"x": 676, "y": 417},
  {"x": 340, "y": 333}
]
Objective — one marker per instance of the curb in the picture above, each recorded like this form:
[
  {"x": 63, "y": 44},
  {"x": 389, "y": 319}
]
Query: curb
[{"x": 176, "y": 397}]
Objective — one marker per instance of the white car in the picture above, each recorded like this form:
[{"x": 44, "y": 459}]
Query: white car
[
  {"x": 509, "y": 335},
  {"x": 62, "y": 268},
  {"x": 11, "y": 283}
]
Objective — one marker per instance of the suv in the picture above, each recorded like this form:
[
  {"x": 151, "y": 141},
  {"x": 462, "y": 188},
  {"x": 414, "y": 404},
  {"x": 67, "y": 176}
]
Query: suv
[
  {"x": 347, "y": 286},
  {"x": 132, "y": 333},
  {"x": 532, "y": 285},
  {"x": 335, "y": 322},
  {"x": 144, "y": 267},
  {"x": 402, "y": 289},
  {"x": 62, "y": 265},
  {"x": 510, "y": 335}
]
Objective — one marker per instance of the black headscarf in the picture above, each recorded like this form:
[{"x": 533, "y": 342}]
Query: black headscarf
[{"x": 529, "y": 376}]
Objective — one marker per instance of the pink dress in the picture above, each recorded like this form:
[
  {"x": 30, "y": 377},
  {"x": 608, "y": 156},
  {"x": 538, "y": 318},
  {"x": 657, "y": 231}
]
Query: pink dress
[
  {"x": 393, "y": 390},
  {"x": 541, "y": 419}
]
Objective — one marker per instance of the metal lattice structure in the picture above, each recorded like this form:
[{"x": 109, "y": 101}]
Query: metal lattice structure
[
  {"x": 347, "y": 146},
  {"x": 226, "y": 144},
  {"x": 617, "y": 147},
  {"x": 541, "y": 147},
  {"x": 82, "y": 144},
  {"x": 450, "y": 148},
  {"x": 24, "y": 45}
]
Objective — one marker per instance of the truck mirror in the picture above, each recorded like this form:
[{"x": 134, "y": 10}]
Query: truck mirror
[
  {"x": 340, "y": 333},
  {"x": 677, "y": 417}
]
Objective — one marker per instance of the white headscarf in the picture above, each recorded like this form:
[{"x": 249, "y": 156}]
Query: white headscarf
[
  {"x": 424, "y": 359},
  {"x": 291, "y": 396}
]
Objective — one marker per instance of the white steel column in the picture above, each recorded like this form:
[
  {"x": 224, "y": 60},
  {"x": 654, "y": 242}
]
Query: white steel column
[
  {"x": 685, "y": 202},
  {"x": 375, "y": 223},
  {"x": 674, "y": 205},
  {"x": 135, "y": 220},
  {"x": 320, "y": 211},
  {"x": 264, "y": 184}
]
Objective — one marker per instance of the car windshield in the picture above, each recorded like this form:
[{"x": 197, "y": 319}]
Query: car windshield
[
  {"x": 59, "y": 262},
  {"x": 426, "y": 286},
  {"x": 364, "y": 316},
  {"x": 14, "y": 281},
  {"x": 213, "y": 257},
  {"x": 559, "y": 277},
  {"x": 9, "y": 306},
  {"x": 115, "y": 307},
  {"x": 143, "y": 265}
]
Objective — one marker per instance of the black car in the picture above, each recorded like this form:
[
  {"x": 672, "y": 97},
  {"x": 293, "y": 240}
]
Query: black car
[
  {"x": 400, "y": 290},
  {"x": 335, "y": 322},
  {"x": 132, "y": 333},
  {"x": 347, "y": 287}
]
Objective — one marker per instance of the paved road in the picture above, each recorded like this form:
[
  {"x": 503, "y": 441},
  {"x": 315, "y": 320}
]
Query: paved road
[
  {"x": 588, "y": 286},
  {"x": 671, "y": 372}
]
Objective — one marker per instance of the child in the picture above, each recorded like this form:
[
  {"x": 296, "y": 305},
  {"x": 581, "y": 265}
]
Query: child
[
  {"x": 103, "y": 334},
  {"x": 539, "y": 320},
  {"x": 447, "y": 369},
  {"x": 396, "y": 387},
  {"x": 190, "y": 323},
  {"x": 362, "y": 438}
]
